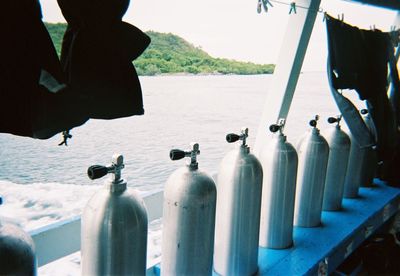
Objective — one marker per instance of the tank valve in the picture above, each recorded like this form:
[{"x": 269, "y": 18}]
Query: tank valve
[
  {"x": 314, "y": 122},
  {"x": 278, "y": 127},
  {"x": 98, "y": 171},
  {"x": 232, "y": 137},
  {"x": 177, "y": 154},
  {"x": 336, "y": 119}
]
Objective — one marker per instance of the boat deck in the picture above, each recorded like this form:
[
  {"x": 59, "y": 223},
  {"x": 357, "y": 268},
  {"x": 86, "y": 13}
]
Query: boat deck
[{"x": 320, "y": 250}]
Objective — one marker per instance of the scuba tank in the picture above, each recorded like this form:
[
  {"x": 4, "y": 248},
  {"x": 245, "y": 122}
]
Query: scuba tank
[
  {"x": 238, "y": 210},
  {"x": 279, "y": 160},
  {"x": 362, "y": 163},
  {"x": 371, "y": 157},
  {"x": 188, "y": 219},
  {"x": 17, "y": 251},
  {"x": 339, "y": 150},
  {"x": 114, "y": 226},
  {"x": 313, "y": 153}
]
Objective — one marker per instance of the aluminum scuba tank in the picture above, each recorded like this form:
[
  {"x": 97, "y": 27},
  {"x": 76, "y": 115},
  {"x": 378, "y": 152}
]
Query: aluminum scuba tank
[
  {"x": 369, "y": 122},
  {"x": 279, "y": 160},
  {"x": 355, "y": 175},
  {"x": 339, "y": 150},
  {"x": 313, "y": 151},
  {"x": 362, "y": 164},
  {"x": 188, "y": 219},
  {"x": 371, "y": 157},
  {"x": 238, "y": 210},
  {"x": 114, "y": 226},
  {"x": 17, "y": 250}
]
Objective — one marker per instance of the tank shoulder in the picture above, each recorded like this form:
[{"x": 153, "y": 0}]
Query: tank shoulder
[
  {"x": 337, "y": 137},
  {"x": 104, "y": 198},
  {"x": 312, "y": 140},
  {"x": 190, "y": 182},
  {"x": 240, "y": 155}
]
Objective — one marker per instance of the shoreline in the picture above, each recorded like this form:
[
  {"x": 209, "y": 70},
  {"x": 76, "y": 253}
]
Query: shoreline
[{"x": 185, "y": 74}]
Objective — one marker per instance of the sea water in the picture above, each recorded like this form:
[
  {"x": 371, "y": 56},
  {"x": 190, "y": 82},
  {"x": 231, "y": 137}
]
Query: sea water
[{"x": 41, "y": 182}]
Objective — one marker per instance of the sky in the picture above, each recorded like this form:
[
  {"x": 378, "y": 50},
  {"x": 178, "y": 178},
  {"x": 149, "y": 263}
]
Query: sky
[{"x": 233, "y": 29}]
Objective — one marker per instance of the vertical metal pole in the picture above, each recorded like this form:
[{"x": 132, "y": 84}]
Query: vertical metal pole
[
  {"x": 288, "y": 67},
  {"x": 397, "y": 26},
  {"x": 393, "y": 96}
]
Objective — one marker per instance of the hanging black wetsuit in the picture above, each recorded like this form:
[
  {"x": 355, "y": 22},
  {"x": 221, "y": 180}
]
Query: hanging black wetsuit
[
  {"x": 39, "y": 97},
  {"x": 358, "y": 59},
  {"x": 31, "y": 77},
  {"x": 97, "y": 53}
]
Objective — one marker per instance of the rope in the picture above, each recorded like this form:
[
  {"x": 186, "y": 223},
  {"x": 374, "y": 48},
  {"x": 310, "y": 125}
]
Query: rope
[{"x": 292, "y": 6}]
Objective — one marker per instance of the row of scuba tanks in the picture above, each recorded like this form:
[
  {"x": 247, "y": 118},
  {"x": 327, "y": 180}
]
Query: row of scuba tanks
[{"x": 259, "y": 201}]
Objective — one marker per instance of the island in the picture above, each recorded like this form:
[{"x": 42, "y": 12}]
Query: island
[{"x": 171, "y": 54}]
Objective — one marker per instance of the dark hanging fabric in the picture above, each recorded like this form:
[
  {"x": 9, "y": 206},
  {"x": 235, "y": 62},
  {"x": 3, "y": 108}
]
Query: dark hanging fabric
[
  {"x": 31, "y": 79},
  {"x": 97, "y": 53},
  {"x": 358, "y": 59},
  {"x": 39, "y": 97}
]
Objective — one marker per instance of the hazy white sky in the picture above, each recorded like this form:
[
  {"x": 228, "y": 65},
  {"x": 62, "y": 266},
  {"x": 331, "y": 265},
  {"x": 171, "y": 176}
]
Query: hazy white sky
[{"x": 233, "y": 28}]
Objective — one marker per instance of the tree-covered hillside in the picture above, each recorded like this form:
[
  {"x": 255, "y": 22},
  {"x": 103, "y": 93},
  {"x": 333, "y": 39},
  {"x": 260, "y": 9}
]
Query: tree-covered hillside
[
  {"x": 56, "y": 32},
  {"x": 169, "y": 54}
]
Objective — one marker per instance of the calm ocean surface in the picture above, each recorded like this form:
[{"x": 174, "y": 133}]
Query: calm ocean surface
[{"x": 178, "y": 110}]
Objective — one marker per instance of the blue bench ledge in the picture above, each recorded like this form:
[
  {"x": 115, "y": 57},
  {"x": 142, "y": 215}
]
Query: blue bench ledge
[{"x": 321, "y": 250}]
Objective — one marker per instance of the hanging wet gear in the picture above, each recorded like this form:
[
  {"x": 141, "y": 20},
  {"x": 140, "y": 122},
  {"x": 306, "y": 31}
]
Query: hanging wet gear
[
  {"x": 358, "y": 59},
  {"x": 97, "y": 79},
  {"x": 35, "y": 101},
  {"x": 97, "y": 53}
]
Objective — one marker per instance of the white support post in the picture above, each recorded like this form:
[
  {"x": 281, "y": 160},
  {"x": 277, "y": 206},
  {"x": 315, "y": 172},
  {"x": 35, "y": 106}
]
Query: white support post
[
  {"x": 288, "y": 68},
  {"x": 397, "y": 26}
]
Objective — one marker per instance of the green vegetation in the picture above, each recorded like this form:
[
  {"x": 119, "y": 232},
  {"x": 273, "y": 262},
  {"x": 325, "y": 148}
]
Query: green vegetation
[
  {"x": 170, "y": 54},
  {"x": 56, "y": 32}
]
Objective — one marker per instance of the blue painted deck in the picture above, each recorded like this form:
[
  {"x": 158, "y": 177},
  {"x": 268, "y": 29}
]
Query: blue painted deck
[
  {"x": 340, "y": 233},
  {"x": 324, "y": 248}
]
